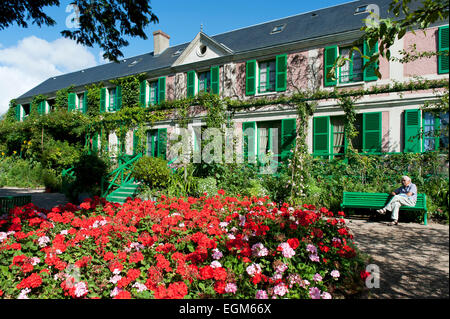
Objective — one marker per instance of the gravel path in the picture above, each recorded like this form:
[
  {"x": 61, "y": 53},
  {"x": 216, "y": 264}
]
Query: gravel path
[
  {"x": 413, "y": 259},
  {"x": 38, "y": 196}
]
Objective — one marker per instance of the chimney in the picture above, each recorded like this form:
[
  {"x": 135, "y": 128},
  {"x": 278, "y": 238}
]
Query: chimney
[{"x": 160, "y": 42}]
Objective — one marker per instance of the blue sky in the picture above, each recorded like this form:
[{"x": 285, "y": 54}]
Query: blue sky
[{"x": 30, "y": 56}]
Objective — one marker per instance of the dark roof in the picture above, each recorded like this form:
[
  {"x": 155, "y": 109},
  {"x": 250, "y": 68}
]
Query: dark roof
[{"x": 328, "y": 21}]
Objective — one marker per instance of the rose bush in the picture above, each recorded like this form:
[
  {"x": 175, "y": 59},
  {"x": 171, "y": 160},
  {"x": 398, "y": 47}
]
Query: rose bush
[{"x": 207, "y": 247}]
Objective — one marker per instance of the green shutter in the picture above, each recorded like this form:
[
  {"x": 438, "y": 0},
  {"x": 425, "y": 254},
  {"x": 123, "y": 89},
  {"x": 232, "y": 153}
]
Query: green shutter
[
  {"x": 321, "y": 135},
  {"x": 372, "y": 132},
  {"x": 72, "y": 102},
  {"x": 281, "y": 73},
  {"x": 215, "y": 80},
  {"x": 288, "y": 136},
  {"x": 329, "y": 57},
  {"x": 18, "y": 111},
  {"x": 95, "y": 142},
  {"x": 118, "y": 102},
  {"x": 143, "y": 94},
  {"x": 85, "y": 102},
  {"x": 412, "y": 131},
  {"x": 135, "y": 143},
  {"x": 103, "y": 100},
  {"x": 191, "y": 84},
  {"x": 161, "y": 89},
  {"x": 162, "y": 143},
  {"x": 443, "y": 46},
  {"x": 369, "y": 71},
  {"x": 250, "y": 77},
  {"x": 249, "y": 134}
]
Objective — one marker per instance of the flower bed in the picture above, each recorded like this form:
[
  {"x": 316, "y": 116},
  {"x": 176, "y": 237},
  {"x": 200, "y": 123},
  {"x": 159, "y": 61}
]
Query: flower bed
[{"x": 216, "y": 247}]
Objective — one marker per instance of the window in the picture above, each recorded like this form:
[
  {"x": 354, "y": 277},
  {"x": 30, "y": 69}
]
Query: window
[
  {"x": 329, "y": 138},
  {"x": 80, "y": 102},
  {"x": 153, "y": 93},
  {"x": 260, "y": 138},
  {"x": 267, "y": 76},
  {"x": 157, "y": 143},
  {"x": 435, "y": 132},
  {"x": 278, "y": 28},
  {"x": 351, "y": 71},
  {"x": 424, "y": 131},
  {"x": 204, "y": 81},
  {"x": 112, "y": 100}
]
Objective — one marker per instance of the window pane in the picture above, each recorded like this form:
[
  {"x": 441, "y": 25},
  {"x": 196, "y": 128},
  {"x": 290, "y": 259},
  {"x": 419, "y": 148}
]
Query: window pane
[
  {"x": 153, "y": 93},
  {"x": 429, "y": 144},
  {"x": 338, "y": 134},
  {"x": 272, "y": 76},
  {"x": 263, "y": 77},
  {"x": 357, "y": 66}
]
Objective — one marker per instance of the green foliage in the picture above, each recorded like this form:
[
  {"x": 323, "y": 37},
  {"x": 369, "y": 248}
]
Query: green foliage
[
  {"x": 152, "y": 171},
  {"x": 89, "y": 171},
  {"x": 59, "y": 155},
  {"x": 51, "y": 180},
  {"x": 206, "y": 185},
  {"x": 18, "y": 172},
  {"x": 62, "y": 97}
]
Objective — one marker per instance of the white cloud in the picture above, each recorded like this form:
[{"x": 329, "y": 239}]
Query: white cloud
[{"x": 33, "y": 60}]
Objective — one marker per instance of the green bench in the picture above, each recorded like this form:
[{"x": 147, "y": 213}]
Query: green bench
[
  {"x": 8, "y": 202},
  {"x": 379, "y": 200}
]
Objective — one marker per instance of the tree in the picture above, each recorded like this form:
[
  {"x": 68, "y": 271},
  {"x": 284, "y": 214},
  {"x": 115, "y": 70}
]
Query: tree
[{"x": 104, "y": 22}]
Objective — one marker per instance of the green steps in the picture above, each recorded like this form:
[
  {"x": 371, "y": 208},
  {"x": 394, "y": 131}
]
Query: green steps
[{"x": 121, "y": 194}]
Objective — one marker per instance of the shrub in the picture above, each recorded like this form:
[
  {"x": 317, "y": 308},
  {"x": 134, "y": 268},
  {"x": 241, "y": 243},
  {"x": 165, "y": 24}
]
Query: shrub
[
  {"x": 152, "y": 171},
  {"x": 206, "y": 185},
  {"x": 51, "y": 180},
  {"x": 18, "y": 172}
]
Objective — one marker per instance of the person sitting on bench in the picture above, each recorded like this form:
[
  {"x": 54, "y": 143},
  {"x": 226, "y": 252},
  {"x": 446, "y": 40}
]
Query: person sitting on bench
[{"x": 406, "y": 195}]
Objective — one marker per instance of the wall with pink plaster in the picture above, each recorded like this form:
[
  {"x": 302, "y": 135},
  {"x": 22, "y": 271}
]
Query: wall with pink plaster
[
  {"x": 424, "y": 42},
  {"x": 298, "y": 72}
]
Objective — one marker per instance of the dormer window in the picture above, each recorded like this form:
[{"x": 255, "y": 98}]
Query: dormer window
[
  {"x": 202, "y": 50},
  {"x": 279, "y": 28},
  {"x": 361, "y": 9}
]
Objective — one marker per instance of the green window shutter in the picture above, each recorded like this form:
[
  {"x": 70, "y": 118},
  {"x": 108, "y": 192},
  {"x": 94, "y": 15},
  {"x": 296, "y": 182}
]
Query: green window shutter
[
  {"x": 329, "y": 56},
  {"x": 161, "y": 89},
  {"x": 321, "y": 135},
  {"x": 412, "y": 131},
  {"x": 18, "y": 111},
  {"x": 191, "y": 84},
  {"x": 369, "y": 71},
  {"x": 72, "y": 101},
  {"x": 118, "y": 102},
  {"x": 250, "y": 77},
  {"x": 288, "y": 137},
  {"x": 103, "y": 100},
  {"x": 281, "y": 73},
  {"x": 162, "y": 143},
  {"x": 85, "y": 102},
  {"x": 143, "y": 94},
  {"x": 372, "y": 132},
  {"x": 249, "y": 134},
  {"x": 135, "y": 143},
  {"x": 443, "y": 46},
  {"x": 215, "y": 80},
  {"x": 95, "y": 142}
]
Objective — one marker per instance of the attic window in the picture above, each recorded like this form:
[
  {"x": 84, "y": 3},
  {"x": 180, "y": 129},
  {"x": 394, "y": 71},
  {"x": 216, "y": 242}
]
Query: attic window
[
  {"x": 279, "y": 28},
  {"x": 134, "y": 63},
  {"x": 202, "y": 50},
  {"x": 178, "y": 52},
  {"x": 361, "y": 9},
  {"x": 314, "y": 15}
]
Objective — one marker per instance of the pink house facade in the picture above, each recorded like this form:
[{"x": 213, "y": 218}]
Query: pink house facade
[{"x": 281, "y": 58}]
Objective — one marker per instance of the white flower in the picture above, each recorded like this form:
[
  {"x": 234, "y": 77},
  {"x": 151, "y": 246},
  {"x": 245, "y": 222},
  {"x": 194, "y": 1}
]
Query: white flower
[{"x": 216, "y": 264}]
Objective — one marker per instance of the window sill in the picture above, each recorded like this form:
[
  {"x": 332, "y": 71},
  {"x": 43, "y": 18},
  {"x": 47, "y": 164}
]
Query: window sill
[
  {"x": 266, "y": 93},
  {"x": 349, "y": 84}
]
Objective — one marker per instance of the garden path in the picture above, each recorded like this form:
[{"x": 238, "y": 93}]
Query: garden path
[
  {"x": 413, "y": 259},
  {"x": 38, "y": 196}
]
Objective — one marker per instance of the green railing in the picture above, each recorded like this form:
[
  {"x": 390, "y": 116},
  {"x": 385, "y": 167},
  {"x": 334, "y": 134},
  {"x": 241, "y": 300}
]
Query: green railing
[
  {"x": 8, "y": 202},
  {"x": 68, "y": 177},
  {"x": 120, "y": 175}
]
